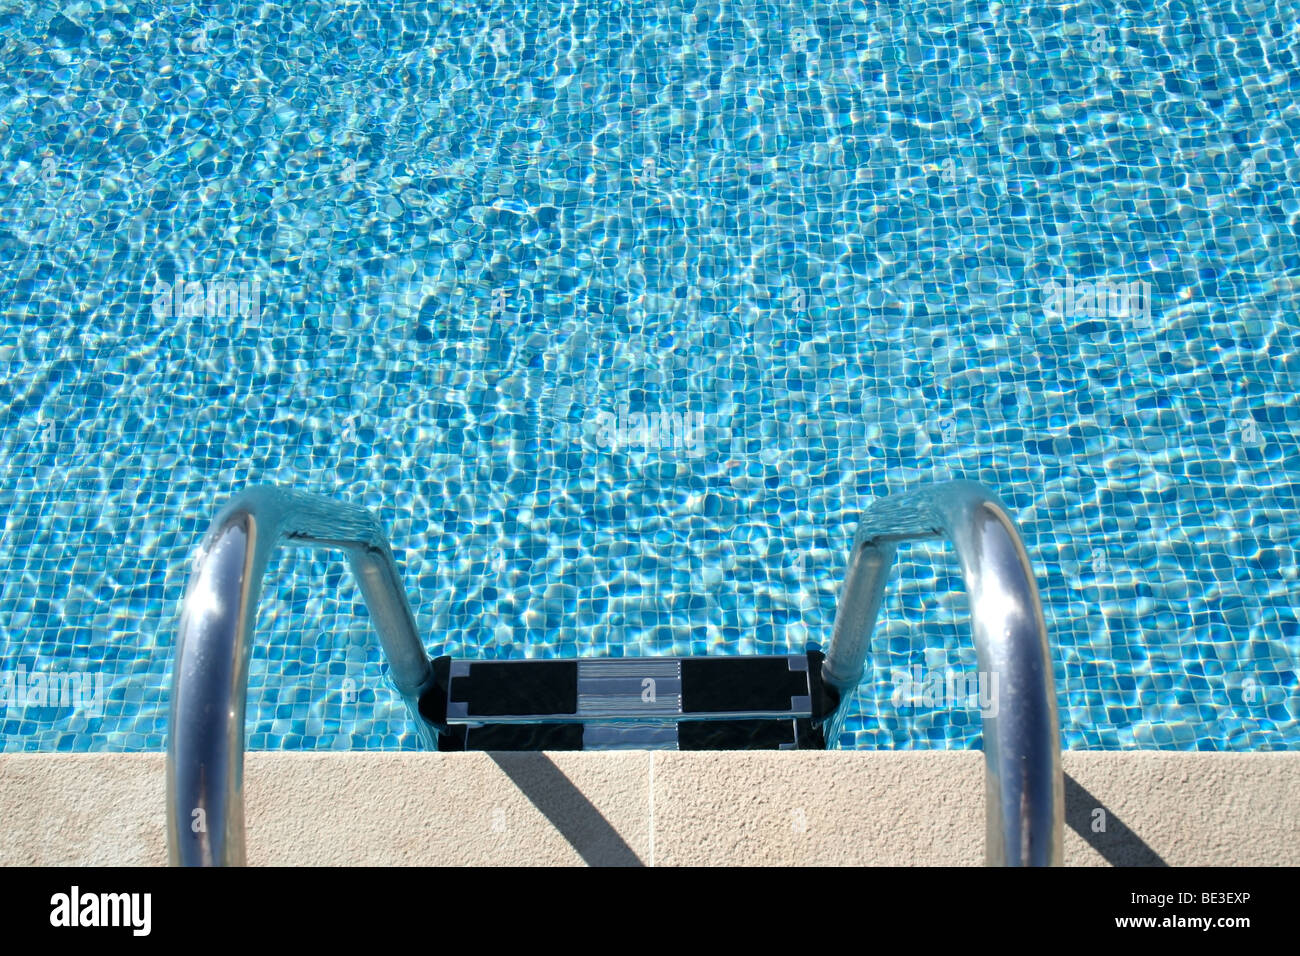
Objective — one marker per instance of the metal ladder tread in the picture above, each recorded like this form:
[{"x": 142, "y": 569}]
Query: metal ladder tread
[{"x": 687, "y": 703}]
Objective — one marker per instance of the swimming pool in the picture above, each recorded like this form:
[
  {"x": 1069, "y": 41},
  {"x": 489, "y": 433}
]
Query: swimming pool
[{"x": 437, "y": 260}]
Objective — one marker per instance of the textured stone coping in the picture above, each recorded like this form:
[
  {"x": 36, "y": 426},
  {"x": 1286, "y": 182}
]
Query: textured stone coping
[{"x": 665, "y": 808}]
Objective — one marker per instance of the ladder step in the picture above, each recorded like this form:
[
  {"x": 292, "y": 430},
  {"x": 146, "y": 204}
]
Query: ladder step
[
  {"x": 746, "y": 734},
  {"x": 667, "y": 703}
]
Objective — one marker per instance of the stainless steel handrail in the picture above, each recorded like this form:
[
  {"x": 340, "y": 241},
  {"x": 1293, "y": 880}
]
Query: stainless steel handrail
[
  {"x": 205, "y": 748},
  {"x": 1024, "y": 790}
]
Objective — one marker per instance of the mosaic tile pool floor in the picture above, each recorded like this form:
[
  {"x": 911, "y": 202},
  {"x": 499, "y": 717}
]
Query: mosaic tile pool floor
[{"x": 856, "y": 246}]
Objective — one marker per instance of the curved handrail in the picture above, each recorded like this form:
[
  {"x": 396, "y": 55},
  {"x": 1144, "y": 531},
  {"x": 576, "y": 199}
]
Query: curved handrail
[
  {"x": 1024, "y": 790},
  {"x": 205, "y": 747}
]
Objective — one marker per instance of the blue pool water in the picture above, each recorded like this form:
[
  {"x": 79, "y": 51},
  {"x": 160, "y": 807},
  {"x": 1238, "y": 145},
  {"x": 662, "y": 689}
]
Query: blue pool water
[{"x": 472, "y": 236}]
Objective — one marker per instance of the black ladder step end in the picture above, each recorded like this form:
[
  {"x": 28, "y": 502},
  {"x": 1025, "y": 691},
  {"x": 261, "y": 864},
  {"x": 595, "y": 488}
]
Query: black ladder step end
[
  {"x": 452, "y": 740},
  {"x": 741, "y": 683},
  {"x": 433, "y": 702},
  {"x": 521, "y": 737},
  {"x": 825, "y": 699},
  {"x": 749, "y": 734},
  {"x": 507, "y": 688},
  {"x": 810, "y": 735}
]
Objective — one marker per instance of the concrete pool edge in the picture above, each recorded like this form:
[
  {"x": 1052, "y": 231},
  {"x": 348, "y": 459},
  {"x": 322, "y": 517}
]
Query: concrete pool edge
[{"x": 665, "y": 808}]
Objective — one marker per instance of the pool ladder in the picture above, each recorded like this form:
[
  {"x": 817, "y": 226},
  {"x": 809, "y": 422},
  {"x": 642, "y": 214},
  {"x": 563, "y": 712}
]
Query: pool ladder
[{"x": 786, "y": 702}]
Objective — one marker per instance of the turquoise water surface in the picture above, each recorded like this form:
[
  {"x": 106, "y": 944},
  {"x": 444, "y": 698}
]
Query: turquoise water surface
[{"x": 437, "y": 259}]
